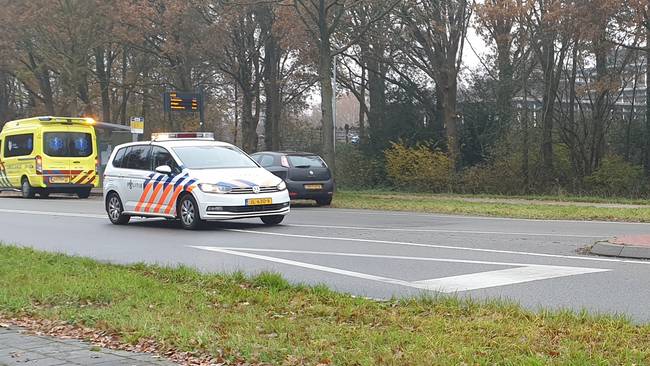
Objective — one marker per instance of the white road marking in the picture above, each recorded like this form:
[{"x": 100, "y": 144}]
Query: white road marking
[
  {"x": 367, "y": 228},
  {"x": 309, "y": 266},
  {"x": 511, "y": 276},
  {"x": 389, "y": 242},
  {"x": 524, "y": 272},
  {"x": 47, "y": 213},
  {"x": 464, "y": 217}
]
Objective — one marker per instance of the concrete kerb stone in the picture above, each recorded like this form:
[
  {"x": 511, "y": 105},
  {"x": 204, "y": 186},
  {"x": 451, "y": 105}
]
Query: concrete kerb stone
[
  {"x": 617, "y": 248},
  {"x": 607, "y": 249}
]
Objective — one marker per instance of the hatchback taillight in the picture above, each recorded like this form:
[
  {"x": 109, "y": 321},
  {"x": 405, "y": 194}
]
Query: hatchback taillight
[{"x": 39, "y": 164}]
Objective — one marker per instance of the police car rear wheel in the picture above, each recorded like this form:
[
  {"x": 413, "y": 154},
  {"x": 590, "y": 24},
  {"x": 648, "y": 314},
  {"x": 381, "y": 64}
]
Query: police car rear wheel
[
  {"x": 272, "y": 220},
  {"x": 26, "y": 189},
  {"x": 115, "y": 210},
  {"x": 189, "y": 213}
]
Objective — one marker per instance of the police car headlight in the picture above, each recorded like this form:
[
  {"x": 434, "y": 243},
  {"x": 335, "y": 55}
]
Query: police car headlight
[
  {"x": 214, "y": 188},
  {"x": 282, "y": 186}
]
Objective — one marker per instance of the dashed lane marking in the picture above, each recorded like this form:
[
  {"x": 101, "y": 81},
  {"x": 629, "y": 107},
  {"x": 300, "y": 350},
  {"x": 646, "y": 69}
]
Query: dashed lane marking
[
  {"x": 437, "y": 246},
  {"x": 445, "y": 231}
]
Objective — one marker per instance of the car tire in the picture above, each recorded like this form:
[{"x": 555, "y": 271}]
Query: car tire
[
  {"x": 272, "y": 220},
  {"x": 188, "y": 213},
  {"x": 115, "y": 210},
  {"x": 84, "y": 193},
  {"x": 324, "y": 201},
  {"x": 26, "y": 189}
]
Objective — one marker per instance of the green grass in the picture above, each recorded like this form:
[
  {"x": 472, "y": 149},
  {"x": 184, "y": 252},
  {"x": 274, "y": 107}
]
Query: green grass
[
  {"x": 532, "y": 208},
  {"x": 264, "y": 319}
]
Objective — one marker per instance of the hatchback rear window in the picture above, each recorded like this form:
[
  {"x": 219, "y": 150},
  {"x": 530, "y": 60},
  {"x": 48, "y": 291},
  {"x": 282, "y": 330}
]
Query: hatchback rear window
[
  {"x": 308, "y": 161},
  {"x": 68, "y": 144}
]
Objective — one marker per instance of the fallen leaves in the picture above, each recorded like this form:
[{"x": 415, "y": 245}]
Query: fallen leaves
[{"x": 110, "y": 340}]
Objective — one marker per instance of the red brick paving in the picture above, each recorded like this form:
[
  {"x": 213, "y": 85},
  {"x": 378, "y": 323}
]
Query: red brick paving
[{"x": 637, "y": 240}]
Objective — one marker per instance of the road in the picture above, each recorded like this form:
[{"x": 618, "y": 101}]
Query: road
[{"x": 376, "y": 254}]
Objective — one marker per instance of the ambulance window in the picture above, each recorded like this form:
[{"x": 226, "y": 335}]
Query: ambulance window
[
  {"x": 67, "y": 144},
  {"x": 160, "y": 156},
  {"x": 19, "y": 145},
  {"x": 138, "y": 157},
  {"x": 119, "y": 158}
]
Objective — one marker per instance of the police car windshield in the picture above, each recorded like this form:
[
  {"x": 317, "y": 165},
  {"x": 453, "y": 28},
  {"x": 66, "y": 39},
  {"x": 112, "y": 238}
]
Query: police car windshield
[{"x": 213, "y": 157}]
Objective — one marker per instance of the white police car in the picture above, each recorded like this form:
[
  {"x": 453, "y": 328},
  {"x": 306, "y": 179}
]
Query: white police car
[{"x": 191, "y": 177}]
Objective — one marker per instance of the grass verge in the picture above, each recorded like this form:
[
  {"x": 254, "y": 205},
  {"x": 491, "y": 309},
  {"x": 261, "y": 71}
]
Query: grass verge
[
  {"x": 265, "y": 320},
  {"x": 529, "y": 208}
]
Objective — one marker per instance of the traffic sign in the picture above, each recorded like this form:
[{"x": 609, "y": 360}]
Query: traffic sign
[{"x": 137, "y": 125}]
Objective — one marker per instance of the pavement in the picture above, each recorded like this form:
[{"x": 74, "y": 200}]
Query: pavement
[
  {"x": 20, "y": 348},
  {"x": 536, "y": 263}
]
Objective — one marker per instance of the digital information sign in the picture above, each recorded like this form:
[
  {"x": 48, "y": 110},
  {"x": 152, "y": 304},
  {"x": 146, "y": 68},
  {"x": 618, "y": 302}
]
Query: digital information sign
[{"x": 183, "y": 102}]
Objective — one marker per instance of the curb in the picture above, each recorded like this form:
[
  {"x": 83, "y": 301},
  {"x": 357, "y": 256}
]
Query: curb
[{"x": 608, "y": 249}]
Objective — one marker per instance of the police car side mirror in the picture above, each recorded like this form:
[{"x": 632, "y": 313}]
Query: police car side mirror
[{"x": 164, "y": 169}]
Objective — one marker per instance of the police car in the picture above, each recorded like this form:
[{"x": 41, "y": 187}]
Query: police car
[{"x": 191, "y": 177}]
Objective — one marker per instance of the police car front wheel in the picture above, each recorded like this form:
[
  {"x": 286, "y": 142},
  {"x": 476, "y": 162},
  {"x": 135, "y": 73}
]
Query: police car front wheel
[
  {"x": 272, "y": 220},
  {"x": 115, "y": 210},
  {"x": 189, "y": 213}
]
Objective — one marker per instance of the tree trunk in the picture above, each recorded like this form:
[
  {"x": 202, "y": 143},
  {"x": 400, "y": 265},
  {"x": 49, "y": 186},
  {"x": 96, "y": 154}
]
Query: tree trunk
[
  {"x": 601, "y": 106},
  {"x": 272, "y": 91},
  {"x": 525, "y": 166},
  {"x": 362, "y": 105},
  {"x": 125, "y": 95},
  {"x": 377, "y": 108},
  {"x": 248, "y": 123},
  {"x": 505, "y": 87},
  {"x": 446, "y": 90},
  {"x": 646, "y": 152},
  {"x": 327, "y": 96},
  {"x": 104, "y": 83}
]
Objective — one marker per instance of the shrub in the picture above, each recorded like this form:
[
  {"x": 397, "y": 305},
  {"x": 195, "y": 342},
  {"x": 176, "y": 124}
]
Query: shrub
[
  {"x": 358, "y": 170},
  {"x": 499, "y": 176},
  {"x": 418, "y": 168},
  {"x": 615, "y": 177}
]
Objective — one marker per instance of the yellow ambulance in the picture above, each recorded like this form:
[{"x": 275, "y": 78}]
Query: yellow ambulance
[{"x": 43, "y": 155}]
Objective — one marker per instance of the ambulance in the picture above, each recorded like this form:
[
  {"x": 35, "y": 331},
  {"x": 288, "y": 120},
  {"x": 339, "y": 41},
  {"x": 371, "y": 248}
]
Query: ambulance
[{"x": 43, "y": 155}]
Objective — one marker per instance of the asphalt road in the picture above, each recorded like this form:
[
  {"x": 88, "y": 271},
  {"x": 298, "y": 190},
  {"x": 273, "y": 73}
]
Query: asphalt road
[{"x": 368, "y": 253}]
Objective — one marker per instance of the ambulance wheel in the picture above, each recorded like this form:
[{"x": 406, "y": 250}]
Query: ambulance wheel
[
  {"x": 188, "y": 212},
  {"x": 83, "y": 193},
  {"x": 272, "y": 220},
  {"x": 26, "y": 189},
  {"x": 115, "y": 210}
]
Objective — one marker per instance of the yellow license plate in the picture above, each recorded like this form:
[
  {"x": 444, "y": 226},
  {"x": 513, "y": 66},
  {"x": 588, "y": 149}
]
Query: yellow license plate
[
  {"x": 313, "y": 186},
  {"x": 258, "y": 201},
  {"x": 59, "y": 179}
]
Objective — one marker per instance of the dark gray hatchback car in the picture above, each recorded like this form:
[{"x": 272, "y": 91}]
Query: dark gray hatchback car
[{"x": 306, "y": 174}]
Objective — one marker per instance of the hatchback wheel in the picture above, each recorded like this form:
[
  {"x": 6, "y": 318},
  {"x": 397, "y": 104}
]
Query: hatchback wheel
[
  {"x": 324, "y": 201},
  {"x": 115, "y": 210},
  {"x": 188, "y": 212}
]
